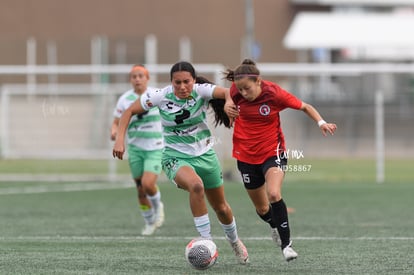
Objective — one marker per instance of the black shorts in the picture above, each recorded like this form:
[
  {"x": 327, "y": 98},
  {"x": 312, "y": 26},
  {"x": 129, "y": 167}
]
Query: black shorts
[{"x": 253, "y": 175}]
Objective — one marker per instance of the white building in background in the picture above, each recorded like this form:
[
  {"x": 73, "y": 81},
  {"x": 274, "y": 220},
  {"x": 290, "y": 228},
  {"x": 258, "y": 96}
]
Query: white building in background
[{"x": 362, "y": 30}]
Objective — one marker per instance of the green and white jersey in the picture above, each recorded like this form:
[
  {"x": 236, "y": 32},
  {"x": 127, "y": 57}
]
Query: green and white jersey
[
  {"x": 184, "y": 120},
  {"x": 144, "y": 130}
]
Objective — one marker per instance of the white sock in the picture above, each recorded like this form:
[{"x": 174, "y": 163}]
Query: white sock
[
  {"x": 230, "y": 230},
  {"x": 147, "y": 213},
  {"x": 155, "y": 200},
  {"x": 202, "y": 225}
]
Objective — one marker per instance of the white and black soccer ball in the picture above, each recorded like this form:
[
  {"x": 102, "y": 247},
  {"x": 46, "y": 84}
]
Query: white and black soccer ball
[{"x": 201, "y": 253}]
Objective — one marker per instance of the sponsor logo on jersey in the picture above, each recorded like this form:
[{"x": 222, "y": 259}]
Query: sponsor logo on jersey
[{"x": 185, "y": 132}]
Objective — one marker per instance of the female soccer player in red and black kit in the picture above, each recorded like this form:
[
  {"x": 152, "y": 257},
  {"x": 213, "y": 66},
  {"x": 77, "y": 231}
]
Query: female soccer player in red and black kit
[{"x": 259, "y": 144}]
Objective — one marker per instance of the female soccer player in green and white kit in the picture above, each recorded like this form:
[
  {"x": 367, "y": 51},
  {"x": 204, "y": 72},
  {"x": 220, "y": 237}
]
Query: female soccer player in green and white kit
[
  {"x": 188, "y": 158},
  {"x": 145, "y": 145}
]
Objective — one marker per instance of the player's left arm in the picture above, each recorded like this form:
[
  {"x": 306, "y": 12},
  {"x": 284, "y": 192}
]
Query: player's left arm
[
  {"x": 119, "y": 146},
  {"x": 229, "y": 107},
  {"x": 220, "y": 92},
  {"x": 314, "y": 114},
  {"x": 114, "y": 128}
]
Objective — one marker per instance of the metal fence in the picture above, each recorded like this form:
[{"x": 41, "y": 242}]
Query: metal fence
[{"x": 372, "y": 104}]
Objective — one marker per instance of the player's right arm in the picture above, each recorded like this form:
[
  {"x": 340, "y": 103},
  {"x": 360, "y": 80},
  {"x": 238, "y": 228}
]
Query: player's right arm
[{"x": 119, "y": 146}]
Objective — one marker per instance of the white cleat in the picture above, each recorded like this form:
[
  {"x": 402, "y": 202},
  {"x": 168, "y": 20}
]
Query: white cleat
[
  {"x": 240, "y": 251},
  {"x": 160, "y": 215},
  {"x": 148, "y": 229},
  {"x": 289, "y": 253}
]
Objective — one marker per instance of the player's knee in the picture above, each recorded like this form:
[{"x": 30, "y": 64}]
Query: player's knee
[
  {"x": 197, "y": 188},
  {"x": 148, "y": 187},
  {"x": 262, "y": 209},
  {"x": 274, "y": 196}
]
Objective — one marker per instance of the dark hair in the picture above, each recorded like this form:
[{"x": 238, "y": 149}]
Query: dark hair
[
  {"x": 220, "y": 117},
  {"x": 182, "y": 66},
  {"x": 246, "y": 69}
]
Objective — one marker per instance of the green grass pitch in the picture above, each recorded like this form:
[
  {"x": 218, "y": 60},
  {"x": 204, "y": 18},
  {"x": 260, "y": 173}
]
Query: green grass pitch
[{"x": 344, "y": 223}]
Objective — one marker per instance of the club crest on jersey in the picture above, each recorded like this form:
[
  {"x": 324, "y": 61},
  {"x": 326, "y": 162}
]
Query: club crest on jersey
[
  {"x": 149, "y": 103},
  {"x": 264, "y": 110},
  {"x": 191, "y": 101}
]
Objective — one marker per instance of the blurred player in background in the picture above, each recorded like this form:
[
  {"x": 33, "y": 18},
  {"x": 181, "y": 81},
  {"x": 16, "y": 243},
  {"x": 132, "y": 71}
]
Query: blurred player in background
[
  {"x": 259, "y": 145},
  {"x": 189, "y": 160},
  {"x": 145, "y": 145}
]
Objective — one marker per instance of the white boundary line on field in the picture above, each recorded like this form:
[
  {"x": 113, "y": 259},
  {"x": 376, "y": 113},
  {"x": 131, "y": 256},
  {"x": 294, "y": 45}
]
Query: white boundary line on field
[
  {"x": 63, "y": 187},
  {"x": 164, "y": 238},
  {"x": 71, "y": 187}
]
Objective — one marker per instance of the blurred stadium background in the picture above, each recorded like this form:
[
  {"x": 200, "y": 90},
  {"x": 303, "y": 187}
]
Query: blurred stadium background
[
  {"x": 63, "y": 65},
  {"x": 67, "y": 207}
]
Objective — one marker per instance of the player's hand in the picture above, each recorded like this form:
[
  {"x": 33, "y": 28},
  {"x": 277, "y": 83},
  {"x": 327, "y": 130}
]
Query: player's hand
[
  {"x": 231, "y": 110},
  {"x": 328, "y": 128},
  {"x": 118, "y": 150}
]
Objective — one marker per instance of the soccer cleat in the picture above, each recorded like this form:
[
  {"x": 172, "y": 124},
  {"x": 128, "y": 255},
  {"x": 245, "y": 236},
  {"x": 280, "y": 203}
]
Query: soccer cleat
[
  {"x": 240, "y": 252},
  {"x": 289, "y": 253},
  {"x": 160, "y": 215},
  {"x": 148, "y": 229},
  {"x": 276, "y": 237}
]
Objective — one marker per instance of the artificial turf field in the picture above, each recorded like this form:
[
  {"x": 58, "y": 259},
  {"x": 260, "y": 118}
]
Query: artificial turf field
[{"x": 344, "y": 223}]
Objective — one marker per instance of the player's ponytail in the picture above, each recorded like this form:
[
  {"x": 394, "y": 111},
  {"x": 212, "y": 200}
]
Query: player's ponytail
[
  {"x": 220, "y": 117},
  {"x": 246, "y": 69}
]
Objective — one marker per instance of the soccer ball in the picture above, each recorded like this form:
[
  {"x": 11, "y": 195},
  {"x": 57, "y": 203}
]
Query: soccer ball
[{"x": 201, "y": 253}]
